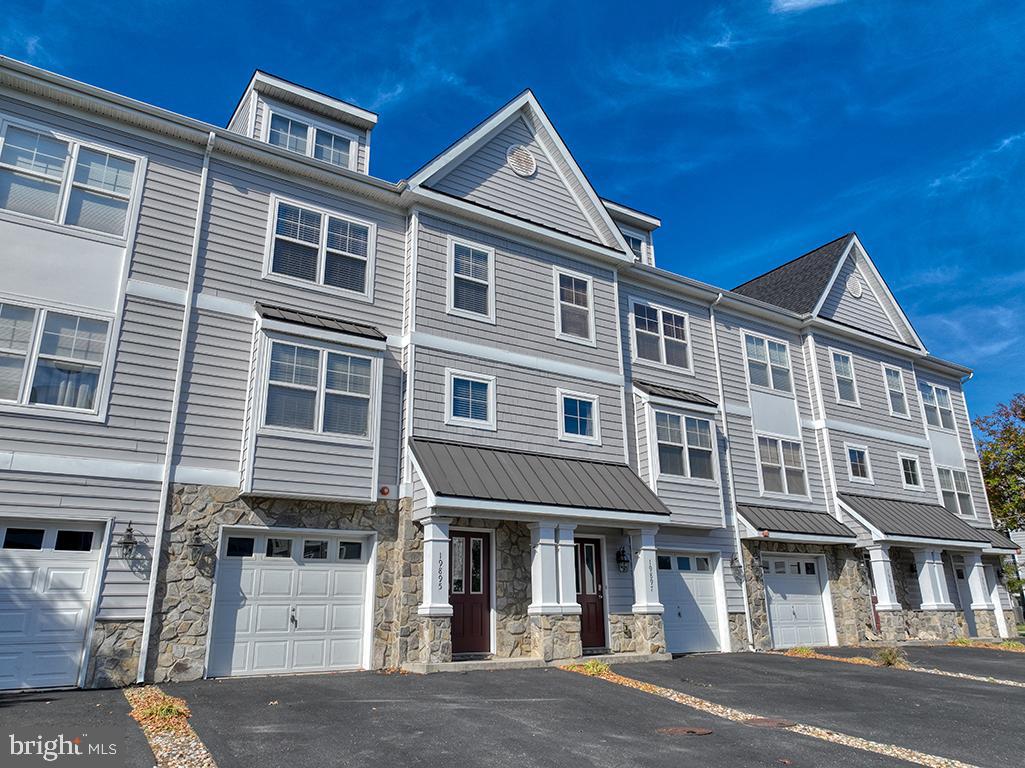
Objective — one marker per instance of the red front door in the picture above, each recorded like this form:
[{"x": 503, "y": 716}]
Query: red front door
[
  {"x": 590, "y": 593},
  {"x": 470, "y": 591}
]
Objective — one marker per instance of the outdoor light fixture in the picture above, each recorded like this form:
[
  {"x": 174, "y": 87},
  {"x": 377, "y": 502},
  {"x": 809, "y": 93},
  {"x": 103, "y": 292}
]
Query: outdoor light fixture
[
  {"x": 197, "y": 546},
  {"x": 623, "y": 560},
  {"x": 128, "y": 542}
]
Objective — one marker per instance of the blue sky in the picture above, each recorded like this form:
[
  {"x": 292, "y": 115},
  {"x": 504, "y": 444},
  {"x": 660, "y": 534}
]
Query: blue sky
[{"x": 756, "y": 130}]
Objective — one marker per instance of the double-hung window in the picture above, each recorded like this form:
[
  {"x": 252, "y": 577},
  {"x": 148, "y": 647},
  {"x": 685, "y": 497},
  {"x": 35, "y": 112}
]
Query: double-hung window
[
  {"x": 858, "y": 468},
  {"x": 911, "y": 473},
  {"x": 470, "y": 400},
  {"x": 311, "y": 389},
  {"x": 957, "y": 498},
  {"x": 303, "y": 138},
  {"x": 782, "y": 466},
  {"x": 579, "y": 420},
  {"x": 684, "y": 446},
  {"x": 574, "y": 297},
  {"x": 61, "y": 180},
  {"x": 768, "y": 363},
  {"x": 896, "y": 395},
  {"x": 471, "y": 281},
  {"x": 938, "y": 410},
  {"x": 320, "y": 247},
  {"x": 843, "y": 373},
  {"x": 51, "y": 358},
  {"x": 661, "y": 336}
]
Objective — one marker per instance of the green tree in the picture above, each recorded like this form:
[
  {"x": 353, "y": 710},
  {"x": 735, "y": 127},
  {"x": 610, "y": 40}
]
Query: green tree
[{"x": 1002, "y": 452}]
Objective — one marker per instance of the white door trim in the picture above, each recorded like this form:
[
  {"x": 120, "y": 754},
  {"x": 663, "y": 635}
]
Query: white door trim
[
  {"x": 824, "y": 591},
  {"x": 101, "y": 566},
  {"x": 718, "y": 584}
]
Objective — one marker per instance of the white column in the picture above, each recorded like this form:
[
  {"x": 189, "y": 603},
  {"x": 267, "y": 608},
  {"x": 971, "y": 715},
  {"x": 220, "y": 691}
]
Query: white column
[
  {"x": 567, "y": 559},
  {"x": 544, "y": 569},
  {"x": 645, "y": 571},
  {"x": 436, "y": 568},
  {"x": 932, "y": 581},
  {"x": 882, "y": 578},
  {"x": 977, "y": 582}
]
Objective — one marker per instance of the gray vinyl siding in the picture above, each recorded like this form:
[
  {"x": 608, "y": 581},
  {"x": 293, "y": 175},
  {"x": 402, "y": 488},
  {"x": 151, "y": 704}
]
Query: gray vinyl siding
[
  {"x": 213, "y": 397},
  {"x": 234, "y": 241},
  {"x": 258, "y": 119},
  {"x": 866, "y": 313},
  {"x": 419, "y": 495},
  {"x": 719, "y": 540},
  {"x": 702, "y": 380},
  {"x": 873, "y": 395},
  {"x": 885, "y": 467},
  {"x": 138, "y": 412},
  {"x": 525, "y": 302},
  {"x": 640, "y": 437},
  {"x": 243, "y": 115},
  {"x": 619, "y": 586},
  {"x": 486, "y": 178},
  {"x": 294, "y": 466},
  {"x": 51, "y": 496},
  {"x": 526, "y": 408},
  {"x": 389, "y": 411}
]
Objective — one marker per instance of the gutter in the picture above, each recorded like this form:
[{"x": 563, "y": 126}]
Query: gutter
[
  {"x": 729, "y": 473},
  {"x": 172, "y": 427}
]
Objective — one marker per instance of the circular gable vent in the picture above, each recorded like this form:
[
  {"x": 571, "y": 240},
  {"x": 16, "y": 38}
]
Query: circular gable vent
[
  {"x": 854, "y": 286},
  {"x": 521, "y": 160}
]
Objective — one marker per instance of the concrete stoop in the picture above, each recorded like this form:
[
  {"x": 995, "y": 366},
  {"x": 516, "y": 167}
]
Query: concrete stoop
[{"x": 527, "y": 662}]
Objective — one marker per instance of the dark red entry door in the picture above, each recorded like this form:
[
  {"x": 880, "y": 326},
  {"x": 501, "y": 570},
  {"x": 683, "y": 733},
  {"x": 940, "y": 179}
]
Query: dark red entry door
[
  {"x": 590, "y": 593},
  {"x": 470, "y": 591}
]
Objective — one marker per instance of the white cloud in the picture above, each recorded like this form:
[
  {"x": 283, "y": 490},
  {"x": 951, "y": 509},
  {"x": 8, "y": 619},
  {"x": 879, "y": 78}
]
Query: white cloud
[
  {"x": 796, "y": 6},
  {"x": 978, "y": 166}
]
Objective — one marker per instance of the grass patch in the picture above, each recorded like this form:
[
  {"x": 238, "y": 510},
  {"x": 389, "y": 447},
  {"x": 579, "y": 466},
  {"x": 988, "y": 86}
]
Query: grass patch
[
  {"x": 1012, "y": 645},
  {"x": 802, "y": 651},
  {"x": 157, "y": 712},
  {"x": 962, "y": 642},
  {"x": 891, "y": 657},
  {"x": 594, "y": 668}
]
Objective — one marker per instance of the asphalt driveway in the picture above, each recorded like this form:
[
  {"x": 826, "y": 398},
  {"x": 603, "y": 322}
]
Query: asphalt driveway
[
  {"x": 962, "y": 719},
  {"x": 515, "y": 719},
  {"x": 984, "y": 662},
  {"x": 72, "y": 713}
]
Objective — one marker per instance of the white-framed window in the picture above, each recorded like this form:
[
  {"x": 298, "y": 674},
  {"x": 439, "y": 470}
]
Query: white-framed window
[
  {"x": 685, "y": 446},
  {"x": 843, "y": 375},
  {"x": 781, "y": 464},
  {"x": 471, "y": 280},
  {"x": 910, "y": 471},
  {"x": 859, "y": 470},
  {"x": 310, "y": 245},
  {"x": 316, "y": 390},
  {"x": 579, "y": 418},
  {"x": 661, "y": 336},
  {"x": 957, "y": 496},
  {"x": 574, "y": 302},
  {"x": 768, "y": 363},
  {"x": 470, "y": 399},
  {"x": 305, "y": 137},
  {"x": 637, "y": 241},
  {"x": 939, "y": 412},
  {"x": 52, "y": 358},
  {"x": 48, "y": 175},
  {"x": 896, "y": 395}
]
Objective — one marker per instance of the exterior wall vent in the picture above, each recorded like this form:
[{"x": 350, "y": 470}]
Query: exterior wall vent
[
  {"x": 521, "y": 160},
  {"x": 854, "y": 286}
]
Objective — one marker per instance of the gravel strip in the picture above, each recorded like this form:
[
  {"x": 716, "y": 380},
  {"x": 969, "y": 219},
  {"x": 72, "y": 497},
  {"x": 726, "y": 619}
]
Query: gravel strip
[
  {"x": 739, "y": 716},
  {"x": 965, "y": 676},
  {"x": 173, "y": 741}
]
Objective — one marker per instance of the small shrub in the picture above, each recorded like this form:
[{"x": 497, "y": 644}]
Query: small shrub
[
  {"x": 1012, "y": 645},
  {"x": 595, "y": 668},
  {"x": 802, "y": 651},
  {"x": 891, "y": 657},
  {"x": 962, "y": 642}
]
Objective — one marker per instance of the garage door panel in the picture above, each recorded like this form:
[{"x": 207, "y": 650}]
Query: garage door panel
[
  {"x": 346, "y": 616},
  {"x": 272, "y": 618},
  {"x": 59, "y": 580},
  {"x": 310, "y": 654},
  {"x": 311, "y": 618},
  {"x": 13, "y": 622},
  {"x": 691, "y": 616},
  {"x": 314, "y": 583},
  {"x": 348, "y": 583},
  {"x": 795, "y": 605},
  {"x": 270, "y": 656},
  {"x": 18, "y": 580},
  {"x": 58, "y": 625},
  {"x": 275, "y": 582},
  {"x": 345, "y": 652}
]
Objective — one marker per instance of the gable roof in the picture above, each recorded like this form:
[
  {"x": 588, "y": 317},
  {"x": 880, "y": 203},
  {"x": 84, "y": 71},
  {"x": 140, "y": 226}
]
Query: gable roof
[
  {"x": 799, "y": 284},
  {"x": 525, "y": 106}
]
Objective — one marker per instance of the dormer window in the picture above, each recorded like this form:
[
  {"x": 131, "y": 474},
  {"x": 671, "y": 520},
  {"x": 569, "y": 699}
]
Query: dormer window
[
  {"x": 638, "y": 243},
  {"x": 306, "y": 138}
]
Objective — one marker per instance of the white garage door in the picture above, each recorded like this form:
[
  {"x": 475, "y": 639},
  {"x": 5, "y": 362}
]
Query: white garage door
[
  {"x": 686, "y": 587},
  {"x": 794, "y": 593},
  {"x": 288, "y": 602},
  {"x": 48, "y": 580}
]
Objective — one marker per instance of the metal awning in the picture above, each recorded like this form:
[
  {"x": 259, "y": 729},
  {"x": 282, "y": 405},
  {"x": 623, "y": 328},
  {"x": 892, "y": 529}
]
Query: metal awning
[
  {"x": 895, "y": 519},
  {"x": 794, "y": 524},
  {"x": 1000, "y": 542},
  {"x": 673, "y": 393}
]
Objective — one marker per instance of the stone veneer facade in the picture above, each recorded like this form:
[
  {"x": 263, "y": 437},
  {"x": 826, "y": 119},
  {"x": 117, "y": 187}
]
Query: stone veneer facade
[
  {"x": 848, "y": 585},
  {"x": 114, "y": 654},
  {"x": 636, "y": 633},
  {"x": 555, "y": 638}
]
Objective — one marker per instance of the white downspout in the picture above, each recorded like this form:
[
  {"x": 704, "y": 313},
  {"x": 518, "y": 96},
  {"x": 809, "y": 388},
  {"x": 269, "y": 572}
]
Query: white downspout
[
  {"x": 172, "y": 428},
  {"x": 729, "y": 473}
]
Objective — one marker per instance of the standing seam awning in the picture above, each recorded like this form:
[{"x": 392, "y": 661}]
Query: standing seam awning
[
  {"x": 911, "y": 519},
  {"x": 794, "y": 522}
]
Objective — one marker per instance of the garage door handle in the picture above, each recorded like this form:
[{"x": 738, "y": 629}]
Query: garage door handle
[{"x": 295, "y": 623}]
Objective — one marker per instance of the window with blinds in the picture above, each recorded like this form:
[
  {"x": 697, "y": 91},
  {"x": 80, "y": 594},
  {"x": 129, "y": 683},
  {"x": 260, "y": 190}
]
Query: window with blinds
[{"x": 471, "y": 281}]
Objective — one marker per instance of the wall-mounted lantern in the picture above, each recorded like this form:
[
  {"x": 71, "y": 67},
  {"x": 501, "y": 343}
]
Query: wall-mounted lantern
[
  {"x": 623, "y": 560},
  {"x": 196, "y": 546},
  {"x": 128, "y": 542}
]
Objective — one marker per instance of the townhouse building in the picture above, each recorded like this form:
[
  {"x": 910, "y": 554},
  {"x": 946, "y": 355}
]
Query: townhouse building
[{"x": 262, "y": 412}]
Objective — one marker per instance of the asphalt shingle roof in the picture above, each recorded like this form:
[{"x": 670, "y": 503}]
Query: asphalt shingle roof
[
  {"x": 495, "y": 474},
  {"x": 912, "y": 519},
  {"x": 777, "y": 520},
  {"x": 799, "y": 284},
  {"x": 673, "y": 393}
]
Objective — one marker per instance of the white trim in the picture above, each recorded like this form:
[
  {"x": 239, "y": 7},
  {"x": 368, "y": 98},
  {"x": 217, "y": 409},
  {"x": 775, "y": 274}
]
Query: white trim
[
  {"x": 819, "y": 400},
  {"x": 518, "y": 359},
  {"x": 937, "y": 468},
  {"x": 313, "y": 124},
  {"x": 523, "y": 511},
  {"x": 318, "y": 285},
  {"x": 688, "y": 478},
  {"x": 780, "y": 439},
  {"x": 144, "y": 289},
  {"x": 351, "y": 111},
  {"x": 939, "y": 411},
  {"x": 450, "y": 278},
  {"x": 764, "y": 338},
  {"x": 560, "y": 398},
  {"x": 182, "y": 473},
  {"x": 225, "y": 306},
  {"x": 101, "y": 569},
  {"x": 833, "y": 352},
  {"x": 893, "y": 301},
  {"x": 660, "y": 364},
  {"x": 806, "y": 538},
  {"x": 591, "y": 340},
  {"x": 46, "y": 463},
  {"x": 868, "y": 431},
  {"x": 836, "y": 273},
  {"x": 491, "y": 423},
  {"x": 847, "y": 448},
  {"x": 918, "y": 471},
  {"x": 903, "y": 389}
]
